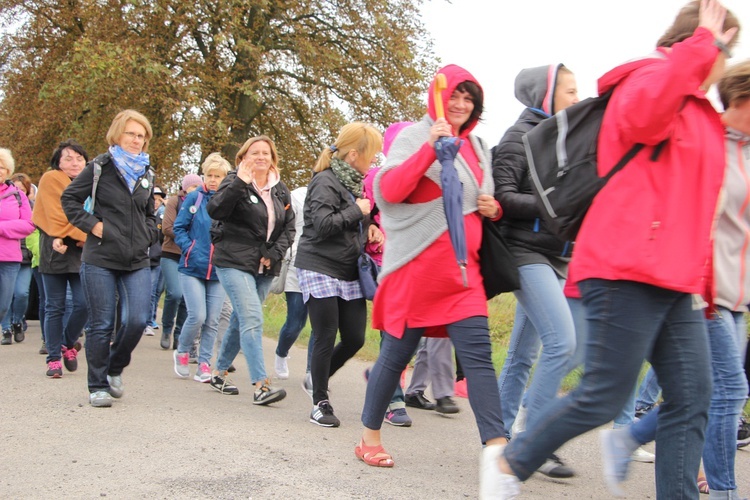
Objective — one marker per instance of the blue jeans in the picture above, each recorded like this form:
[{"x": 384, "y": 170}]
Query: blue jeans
[
  {"x": 542, "y": 314},
  {"x": 42, "y": 298},
  {"x": 630, "y": 321},
  {"x": 648, "y": 392},
  {"x": 204, "y": 299},
  {"x": 100, "y": 285},
  {"x": 8, "y": 273},
  {"x": 727, "y": 400},
  {"x": 57, "y": 331},
  {"x": 20, "y": 301},
  {"x": 174, "y": 304},
  {"x": 627, "y": 414},
  {"x": 247, "y": 293},
  {"x": 471, "y": 340},
  {"x": 157, "y": 287},
  {"x": 296, "y": 317}
]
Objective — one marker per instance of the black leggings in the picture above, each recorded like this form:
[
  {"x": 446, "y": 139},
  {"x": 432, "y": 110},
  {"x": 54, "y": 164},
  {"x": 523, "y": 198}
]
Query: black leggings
[{"x": 327, "y": 317}]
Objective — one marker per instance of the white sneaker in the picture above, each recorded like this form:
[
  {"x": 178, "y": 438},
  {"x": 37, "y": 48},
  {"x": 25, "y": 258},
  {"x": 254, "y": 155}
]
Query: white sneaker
[
  {"x": 203, "y": 375},
  {"x": 641, "y": 455},
  {"x": 149, "y": 332},
  {"x": 519, "y": 424},
  {"x": 494, "y": 484},
  {"x": 282, "y": 367}
]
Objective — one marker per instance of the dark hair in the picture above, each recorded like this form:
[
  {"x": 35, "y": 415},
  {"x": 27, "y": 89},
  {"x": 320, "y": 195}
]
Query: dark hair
[
  {"x": 23, "y": 179},
  {"x": 734, "y": 86},
  {"x": 69, "y": 144},
  {"x": 687, "y": 21},
  {"x": 475, "y": 91}
]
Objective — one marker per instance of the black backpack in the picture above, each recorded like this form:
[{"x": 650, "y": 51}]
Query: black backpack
[{"x": 562, "y": 156}]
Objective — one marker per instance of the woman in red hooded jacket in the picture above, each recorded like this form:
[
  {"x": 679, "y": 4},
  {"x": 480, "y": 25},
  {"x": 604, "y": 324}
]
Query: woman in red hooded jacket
[
  {"x": 642, "y": 251},
  {"x": 421, "y": 290}
]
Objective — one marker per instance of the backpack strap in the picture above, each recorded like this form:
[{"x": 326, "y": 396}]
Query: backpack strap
[
  {"x": 12, "y": 193},
  {"x": 95, "y": 183}
]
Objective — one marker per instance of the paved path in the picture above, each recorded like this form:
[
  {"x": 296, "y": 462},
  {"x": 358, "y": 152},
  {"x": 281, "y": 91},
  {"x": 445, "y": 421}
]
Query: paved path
[{"x": 175, "y": 438}]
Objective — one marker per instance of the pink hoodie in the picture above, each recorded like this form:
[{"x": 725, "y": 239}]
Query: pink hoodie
[{"x": 15, "y": 223}]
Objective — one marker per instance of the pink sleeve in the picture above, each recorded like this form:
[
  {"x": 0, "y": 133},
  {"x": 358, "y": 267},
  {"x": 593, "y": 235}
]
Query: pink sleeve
[
  {"x": 399, "y": 183},
  {"x": 20, "y": 228}
]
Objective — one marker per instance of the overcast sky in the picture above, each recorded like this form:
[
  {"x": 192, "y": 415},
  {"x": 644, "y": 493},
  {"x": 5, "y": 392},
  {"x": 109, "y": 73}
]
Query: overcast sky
[{"x": 495, "y": 39}]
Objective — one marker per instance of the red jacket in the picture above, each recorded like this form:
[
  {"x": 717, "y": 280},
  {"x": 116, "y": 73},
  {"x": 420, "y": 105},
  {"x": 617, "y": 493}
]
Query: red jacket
[{"x": 652, "y": 222}]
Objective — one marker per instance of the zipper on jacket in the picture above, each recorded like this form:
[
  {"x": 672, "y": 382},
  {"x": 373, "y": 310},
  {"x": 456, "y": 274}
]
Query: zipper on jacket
[
  {"x": 187, "y": 254},
  {"x": 210, "y": 261}
]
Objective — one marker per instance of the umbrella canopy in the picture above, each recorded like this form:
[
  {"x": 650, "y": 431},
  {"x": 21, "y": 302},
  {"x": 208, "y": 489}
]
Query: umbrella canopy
[{"x": 446, "y": 149}]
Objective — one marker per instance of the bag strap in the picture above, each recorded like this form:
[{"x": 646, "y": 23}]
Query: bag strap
[
  {"x": 12, "y": 193},
  {"x": 95, "y": 183}
]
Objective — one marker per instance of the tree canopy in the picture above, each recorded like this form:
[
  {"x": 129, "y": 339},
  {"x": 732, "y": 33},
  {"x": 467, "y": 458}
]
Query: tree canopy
[{"x": 208, "y": 74}]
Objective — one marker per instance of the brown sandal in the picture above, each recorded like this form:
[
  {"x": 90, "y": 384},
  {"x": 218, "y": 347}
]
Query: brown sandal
[{"x": 368, "y": 454}]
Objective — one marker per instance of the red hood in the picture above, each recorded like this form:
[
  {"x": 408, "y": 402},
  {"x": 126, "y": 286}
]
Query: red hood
[
  {"x": 454, "y": 75},
  {"x": 618, "y": 74}
]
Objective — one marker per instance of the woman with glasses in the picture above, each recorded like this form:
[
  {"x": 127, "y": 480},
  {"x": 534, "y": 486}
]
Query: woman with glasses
[{"x": 121, "y": 226}]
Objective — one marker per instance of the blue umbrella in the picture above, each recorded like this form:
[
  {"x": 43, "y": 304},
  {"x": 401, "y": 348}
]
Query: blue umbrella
[{"x": 446, "y": 149}]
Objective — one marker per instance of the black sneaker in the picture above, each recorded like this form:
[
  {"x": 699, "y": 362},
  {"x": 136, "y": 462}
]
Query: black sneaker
[
  {"x": 165, "y": 341},
  {"x": 7, "y": 338},
  {"x": 554, "y": 467},
  {"x": 418, "y": 400},
  {"x": 322, "y": 414},
  {"x": 446, "y": 406},
  {"x": 266, "y": 394},
  {"x": 43, "y": 349},
  {"x": 221, "y": 382},
  {"x": 18, "y": 334},
  {"x": 743, "y": 434},
  {"x": 231, "y": 368}
]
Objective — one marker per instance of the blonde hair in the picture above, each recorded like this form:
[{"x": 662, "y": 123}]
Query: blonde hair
[
  {"x": 261, "y": 138},
  {"x": 215, "y": 161},
  {"x": 362, "y": 137},
  {"x": 6, "y": 159},
  {"x": 118, "y": 127}
]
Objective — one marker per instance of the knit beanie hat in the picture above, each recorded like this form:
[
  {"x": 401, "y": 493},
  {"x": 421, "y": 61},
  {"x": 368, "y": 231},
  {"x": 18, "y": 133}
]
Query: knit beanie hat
[{"x": 191, "y": 180}]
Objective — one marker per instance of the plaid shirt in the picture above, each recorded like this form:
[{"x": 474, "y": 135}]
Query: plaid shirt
[{"x": 322, "y": 286}]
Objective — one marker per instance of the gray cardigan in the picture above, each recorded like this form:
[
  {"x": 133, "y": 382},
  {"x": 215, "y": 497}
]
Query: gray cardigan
[{"x": 412, "y": 227}]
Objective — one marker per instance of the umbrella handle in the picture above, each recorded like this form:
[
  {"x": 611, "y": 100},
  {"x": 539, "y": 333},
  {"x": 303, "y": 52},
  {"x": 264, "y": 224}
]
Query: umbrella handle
[{"x": 441, "y": 83}]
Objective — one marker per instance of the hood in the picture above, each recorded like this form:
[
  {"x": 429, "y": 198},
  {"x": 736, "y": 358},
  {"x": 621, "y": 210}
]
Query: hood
[
  {"x": 735, "y": 135},
  {"x": 390, "y": 134},
  {"x": 613, "y": 77},
  {"x": 454, "y": 75},
  {"x": 535, "y": 88}
]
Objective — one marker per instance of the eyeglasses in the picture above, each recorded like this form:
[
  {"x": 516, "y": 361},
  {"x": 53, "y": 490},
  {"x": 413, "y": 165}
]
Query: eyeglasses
[{"x": 133, "y": 135}]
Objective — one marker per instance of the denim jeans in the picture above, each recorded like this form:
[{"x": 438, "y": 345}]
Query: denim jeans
[
  {"x": 20, "y": 301},
  {"x": 736, "y": 322},
  {"x": 174, "y": 304},
  {"x": 296, "y": 317},
  {"x": 157, "y": 287},
  {"x": 471, "y": 340},
  {"x": 627, "y": 414},
  {"x": 100, "y": 285},
  {"x": 727, "y": 400},
  {"x": 58, "y": 331},
  {"x": 649, "y": 391},
  {"x": 630, "y": 321},
  {"x": 204, "y": 299},
  {"x": 542, "y": 314},
  {"x": 42, "y": 298},
  {"x": 247, "y": 293},
  {"x": 8, "y": 273}
]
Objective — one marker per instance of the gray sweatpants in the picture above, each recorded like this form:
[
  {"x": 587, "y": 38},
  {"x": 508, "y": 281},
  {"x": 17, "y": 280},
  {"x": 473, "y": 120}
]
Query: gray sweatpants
[{"x": 434, "y": 363}]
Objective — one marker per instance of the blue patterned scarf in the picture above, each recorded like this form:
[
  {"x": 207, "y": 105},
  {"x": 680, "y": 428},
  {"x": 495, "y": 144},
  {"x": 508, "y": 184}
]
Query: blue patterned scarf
[{"x": 132, "y": 167}]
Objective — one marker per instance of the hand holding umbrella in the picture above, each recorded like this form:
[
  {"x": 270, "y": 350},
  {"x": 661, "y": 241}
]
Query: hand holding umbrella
[{"x": 446, "y": 149}]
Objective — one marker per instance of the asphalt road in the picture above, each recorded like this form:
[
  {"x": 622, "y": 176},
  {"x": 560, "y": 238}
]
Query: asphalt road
[{"x": 177, "y": 438}]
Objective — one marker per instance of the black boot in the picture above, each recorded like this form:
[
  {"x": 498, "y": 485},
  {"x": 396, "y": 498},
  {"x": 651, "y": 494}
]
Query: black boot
[
  {"x": 7, "y": 338},
  {"x": 18, "y": 334}
]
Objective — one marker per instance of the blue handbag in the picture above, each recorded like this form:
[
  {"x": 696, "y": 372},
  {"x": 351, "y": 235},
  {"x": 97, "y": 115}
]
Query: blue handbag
[{"x": 368, "y": 275}]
